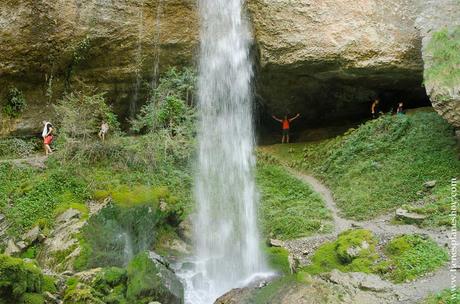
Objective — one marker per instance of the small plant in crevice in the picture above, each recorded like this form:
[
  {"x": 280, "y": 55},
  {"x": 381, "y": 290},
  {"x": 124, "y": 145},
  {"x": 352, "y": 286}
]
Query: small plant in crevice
[
  {"x": 15, "y": 103},
  {"x": 79, "y": 54}
]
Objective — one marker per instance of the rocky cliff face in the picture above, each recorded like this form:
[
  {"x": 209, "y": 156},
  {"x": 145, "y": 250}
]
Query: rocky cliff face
[
  {"x": 326, "y": 59},
  {"x": 330, "y": 58},
  {"x": 48, "y": 46}
]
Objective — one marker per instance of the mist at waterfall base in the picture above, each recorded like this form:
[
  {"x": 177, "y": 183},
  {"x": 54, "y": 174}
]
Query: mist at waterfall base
[{"x": 227, "y": 242}]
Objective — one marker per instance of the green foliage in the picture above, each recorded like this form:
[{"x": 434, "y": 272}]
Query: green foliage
[
  {"x": 444, "y": 51},
  {"x": 15, "y": 103},
  {"x": 111, "y": 282},
  {"x": 289, "y": 207},
  {"x": 30, "y": 253},
  {"x": 436, "y": 207},
  {"x": 278, "y": 259},
  {"x": 411, "y": 256},
  {"x": 19, "y": 279},
  {"x": 134, "y": 223},
  {"x": 31, "y": 298},
  {"x": 79, "y": 293},
  {"x": 447, "y": 296},
  {"x": 333, "y": 255},
  {"x": 17, "y": 148},
  {"x": 147, "y": 279},
  {"x": 80, "y": 115},
  {"x": 35, "y": 194},
  {"x": 368, "y": 169},
  {"x": 169, "y": 105},
  {"x": 49, "y": 284}
]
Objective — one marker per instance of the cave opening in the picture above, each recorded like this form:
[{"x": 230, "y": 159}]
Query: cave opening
[{"x": 328, "y": 109}]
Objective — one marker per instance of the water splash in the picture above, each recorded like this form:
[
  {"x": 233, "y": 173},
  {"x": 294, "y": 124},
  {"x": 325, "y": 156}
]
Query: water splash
[{"x": 228, "y": 253}]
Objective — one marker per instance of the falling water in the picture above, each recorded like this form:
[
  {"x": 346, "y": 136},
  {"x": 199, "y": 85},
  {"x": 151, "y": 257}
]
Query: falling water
[
  {"x": 156, "y": 62},
  {"x": 226, "y": 235},
  {"x": 135, "y": 100}
]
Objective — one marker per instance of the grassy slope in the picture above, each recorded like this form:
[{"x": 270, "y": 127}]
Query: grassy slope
[
  {"x": 382, "y": 164},
  {"x": 29, "y": 196},
  {"x": 290, "y": 209}
]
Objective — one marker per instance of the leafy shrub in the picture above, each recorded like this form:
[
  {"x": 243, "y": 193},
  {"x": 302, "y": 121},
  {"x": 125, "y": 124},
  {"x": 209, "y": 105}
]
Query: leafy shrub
[
  {"x": 80, "y": 115},
  {"x": 19, "y": 280},
  {"x": 17, "y": 148},
  {"x": 15, "y": 103},
  {"x": 170, "y": 103}
]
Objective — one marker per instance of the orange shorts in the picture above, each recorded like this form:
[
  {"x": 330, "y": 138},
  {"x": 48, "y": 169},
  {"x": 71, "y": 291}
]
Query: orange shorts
[{"x": 48, "y": 139}]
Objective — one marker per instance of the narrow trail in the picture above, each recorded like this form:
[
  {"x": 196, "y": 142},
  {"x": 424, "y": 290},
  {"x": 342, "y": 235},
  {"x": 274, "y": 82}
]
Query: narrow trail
[
  {"x": 37, "y": 161},
  {"x": 407, "y": 292}
]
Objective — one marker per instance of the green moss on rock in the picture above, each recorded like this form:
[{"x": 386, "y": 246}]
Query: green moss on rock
[
  {"x": 18, "y": 278},
  {"x": 149, "y": 280},
  {"x": 354, "y": 250}
]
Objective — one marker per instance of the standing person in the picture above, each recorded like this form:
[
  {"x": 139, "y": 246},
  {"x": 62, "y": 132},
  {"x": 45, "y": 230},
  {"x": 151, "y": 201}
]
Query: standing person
[
  {"x": 47, "y": 135},
  {"x": 286, "y": 124},
  {"x": 104, "y": 130},
  {"x": 375, "y": 108},
  {"x": 400, "y": 109}
]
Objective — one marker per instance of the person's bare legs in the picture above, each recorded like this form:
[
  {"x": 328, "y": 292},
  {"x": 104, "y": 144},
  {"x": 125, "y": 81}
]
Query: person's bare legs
[
  {"x": 287, "y": 139},
  {"x": 48, "y": 150},
  {"x": 282, "y": 139}
]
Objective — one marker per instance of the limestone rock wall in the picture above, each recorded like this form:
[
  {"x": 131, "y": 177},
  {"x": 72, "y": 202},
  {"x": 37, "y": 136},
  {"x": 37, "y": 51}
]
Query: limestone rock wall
[
  {"x": 47, "y": 44},
  {"x": 326, "y": 59},
  {"x": 330, "y": 58}
]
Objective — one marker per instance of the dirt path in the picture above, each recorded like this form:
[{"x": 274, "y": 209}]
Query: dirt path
[
  {"x": 408, "y": 292},
  {"x": 37, "y": 161}
]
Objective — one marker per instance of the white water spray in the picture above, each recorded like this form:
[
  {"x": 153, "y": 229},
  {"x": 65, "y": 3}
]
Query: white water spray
[{"x": 228, "y": 253}]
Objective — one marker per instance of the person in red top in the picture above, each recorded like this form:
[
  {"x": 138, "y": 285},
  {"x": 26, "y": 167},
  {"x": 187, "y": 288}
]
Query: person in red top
[{"x": 286, "y": 123}]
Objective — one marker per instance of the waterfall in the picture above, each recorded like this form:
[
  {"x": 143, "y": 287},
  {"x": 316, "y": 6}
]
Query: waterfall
[{"x": 228, "y": 253}]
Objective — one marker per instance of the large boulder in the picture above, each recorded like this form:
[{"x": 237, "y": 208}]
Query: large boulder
[{"x": 439, "y": 24}]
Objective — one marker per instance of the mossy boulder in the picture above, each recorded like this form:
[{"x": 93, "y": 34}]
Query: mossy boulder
[
  {"x": 20, "y": 281},
  {"x": 151, "y": 280},
  {"x": 355, "y": 244},
  {"x": 353, "y": 251}
]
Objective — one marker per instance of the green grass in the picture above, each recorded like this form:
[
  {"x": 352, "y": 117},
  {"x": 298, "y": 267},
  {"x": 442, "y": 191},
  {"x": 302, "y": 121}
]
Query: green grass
[
  {"x": 406, "y": 257},
  {"x": 446, "y": 296},
  {"x": 289, "y": 208},
  {"x": 277, "y": 258},
  {"x": 411, "y": 256},
  {"x": 382, "y": 164},
  {"x": 34, "y": 194},
  {"x": 444, "y": 51}
]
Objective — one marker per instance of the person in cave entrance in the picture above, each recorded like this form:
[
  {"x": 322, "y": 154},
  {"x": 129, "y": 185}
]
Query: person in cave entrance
[
  {"x": 375, "y": 108},
  {"x": 400, "y": 109},
  {"x": 286, "y": 124}
]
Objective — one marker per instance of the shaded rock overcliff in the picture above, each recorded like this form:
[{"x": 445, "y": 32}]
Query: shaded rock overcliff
[
  {"x": 49, "y": 46},
  {"x": 326, "y": 59}
]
